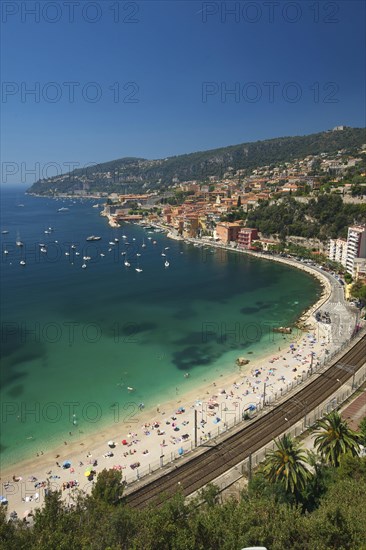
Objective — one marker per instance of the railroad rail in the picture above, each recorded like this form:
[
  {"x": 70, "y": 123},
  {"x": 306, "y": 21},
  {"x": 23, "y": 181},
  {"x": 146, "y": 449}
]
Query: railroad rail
[{"x": 204, "y": 468}]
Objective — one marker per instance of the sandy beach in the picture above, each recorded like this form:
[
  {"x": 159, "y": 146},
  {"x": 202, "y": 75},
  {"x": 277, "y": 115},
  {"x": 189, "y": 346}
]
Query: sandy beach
[{"x": 167, "y": 432}]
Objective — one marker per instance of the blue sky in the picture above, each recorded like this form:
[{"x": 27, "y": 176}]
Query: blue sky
[{"x": 293, "y": 67}]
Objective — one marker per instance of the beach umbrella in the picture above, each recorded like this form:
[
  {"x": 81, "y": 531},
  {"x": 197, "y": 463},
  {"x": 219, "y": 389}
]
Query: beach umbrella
[
  {"x": 217, "y": 420},
  {"x": 124, "y": 442},
  {"x": 3, "y": 500},
  {"x": 66, "y": 464},
  {"x": 87, "y": 473},
  {"x": 181, "y": 409},
  {"x": 111, "y": 444},
  {"x": 180, "y": 451}
]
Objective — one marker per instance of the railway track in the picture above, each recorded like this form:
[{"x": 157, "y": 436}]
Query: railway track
[{"x": 207, "y": 466}]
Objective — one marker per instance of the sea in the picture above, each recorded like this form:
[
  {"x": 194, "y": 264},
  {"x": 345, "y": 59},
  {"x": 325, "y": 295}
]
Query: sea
[{"x": 82, "y": 348}]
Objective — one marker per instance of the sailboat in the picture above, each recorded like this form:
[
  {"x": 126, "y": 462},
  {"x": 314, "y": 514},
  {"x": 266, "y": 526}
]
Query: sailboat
[{"x": 18, "y": 242}]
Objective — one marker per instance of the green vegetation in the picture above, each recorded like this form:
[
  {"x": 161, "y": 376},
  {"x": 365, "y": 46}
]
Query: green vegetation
[
  {"x": 134, "y": 174},
  {"x": 286, "y": 465},
  {"x": 334, "y": 438},
  {"x": 295, "y": 501},
  {"x": 358, "y": 290},
  {"x": 177, "y": 198},
  {"x": 324, "y": 217}
]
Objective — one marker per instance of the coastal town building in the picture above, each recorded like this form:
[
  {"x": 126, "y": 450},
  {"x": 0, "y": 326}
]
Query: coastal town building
[
  {"x": 337, "y": 251},
  {"x": 246, "y": 237},
  {"x": 356, "y": 246},
  {"x": 227, "y": 232}
]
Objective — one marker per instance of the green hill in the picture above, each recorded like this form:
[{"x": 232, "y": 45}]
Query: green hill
[{"x": 137, "y": 174}]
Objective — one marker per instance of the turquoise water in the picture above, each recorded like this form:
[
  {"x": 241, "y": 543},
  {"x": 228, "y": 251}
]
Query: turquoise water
[{"x": 74, "y": 340}]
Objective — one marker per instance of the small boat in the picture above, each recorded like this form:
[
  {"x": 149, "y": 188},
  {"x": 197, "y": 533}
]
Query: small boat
[
  {"x": 43, "y": 249},
  {"x": 143, "y": 244},
  {"x": 138, "y": 269},
  {"x": 4, "y": 232},
  {"x": 112, "y": 243},
  {"x": 127, "y": 264},
  {"x": 166, "y": 248},
  {"x": 77, "y": 253},
  {"x": 47, "y": 232},
  {"x": 93, "y": 238},
  {"x": 83, "y": 266},
  {"x": 163, "y": 254},
  {"x": 19, "y": 243},
  {"x": 123, "y": 253},
  {"x": 149, "y": 238},
  {"x": 166, "y": 263},
  {"x": 22, "y": 205},
  {"x": 6, "y": 252},
  {"x": 63, "y": 209},
  {"x": 102, "y": 255},
  {"x": 138, "y": 255},
  {"x": 130, "y": 389},
  {"x": 73, "y": 246},
  {"x": 116, "y": 240},
  {"x": 95, "y": 205},
  {"x": 67, "y": 253},
  {"x": 22, "y": 262},
  {"x": 133, "y": 238},
  {"x": 109, "y": 250},
  {"x": 154, "y": 242},
  {"x": 86, "y": 258},
  {"x": 42, "y": 245},
  {"x": 124, "y": 236}
]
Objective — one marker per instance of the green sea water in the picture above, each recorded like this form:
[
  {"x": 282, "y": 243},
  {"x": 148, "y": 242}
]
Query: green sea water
[{"x": 74, "y": 340}]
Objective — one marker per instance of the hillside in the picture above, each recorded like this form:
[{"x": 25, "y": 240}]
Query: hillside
[{"x": 136, "y": 174}]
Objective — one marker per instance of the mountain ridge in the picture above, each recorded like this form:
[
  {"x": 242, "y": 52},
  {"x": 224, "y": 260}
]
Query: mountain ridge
[{"x": 136, "y": 174}]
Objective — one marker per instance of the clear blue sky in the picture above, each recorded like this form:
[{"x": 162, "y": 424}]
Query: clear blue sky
[{"x": 176, "y": 60}]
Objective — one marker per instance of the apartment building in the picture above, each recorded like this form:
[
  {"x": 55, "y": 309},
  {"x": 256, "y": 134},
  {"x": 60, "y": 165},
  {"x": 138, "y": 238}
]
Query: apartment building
[
  {"x": 337, "y": 251},
  {"x": 227, "y": 232},
  {"x": 356, "y": 246},
  {"x": 246, "y": 237}
]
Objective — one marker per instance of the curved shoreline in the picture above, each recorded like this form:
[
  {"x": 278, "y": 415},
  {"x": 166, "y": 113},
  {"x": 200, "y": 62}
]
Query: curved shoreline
[
  {"x": 224, "y": 378},
  {"x": 96, "y": 441}
]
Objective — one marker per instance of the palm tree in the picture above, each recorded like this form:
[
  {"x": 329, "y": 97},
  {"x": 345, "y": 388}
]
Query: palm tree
[
  {"x": 287, "y": 465},
  {"x": 334, "y": 438}
]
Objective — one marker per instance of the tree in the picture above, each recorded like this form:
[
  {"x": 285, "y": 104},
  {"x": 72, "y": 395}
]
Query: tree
[
  {"x": 287, "y": 465},
  {"x": 334, "y": 438},
  {"x": 363, "y": 431},
  {"x": 108, "y": 487}
]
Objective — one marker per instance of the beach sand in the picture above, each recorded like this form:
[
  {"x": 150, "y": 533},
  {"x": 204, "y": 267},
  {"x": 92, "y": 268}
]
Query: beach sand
[
  {"x": 159, "y": 432},
  {"x": 166, "y": 432}
]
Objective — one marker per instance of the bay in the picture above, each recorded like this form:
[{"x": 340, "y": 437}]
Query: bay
[{"x": 74, "y": 340}]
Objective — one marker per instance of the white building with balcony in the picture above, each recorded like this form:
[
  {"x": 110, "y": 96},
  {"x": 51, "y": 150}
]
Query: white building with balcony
[{"x": 356, "y": 246}]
